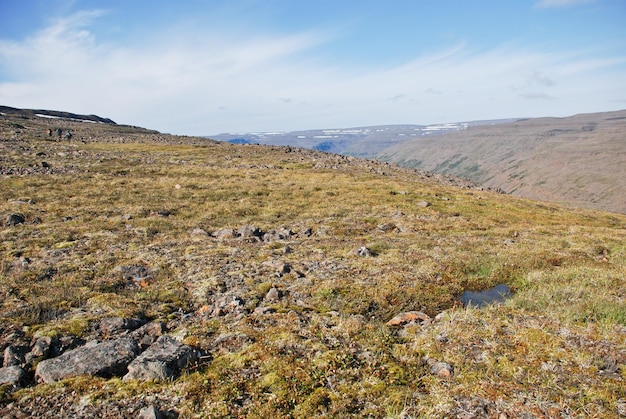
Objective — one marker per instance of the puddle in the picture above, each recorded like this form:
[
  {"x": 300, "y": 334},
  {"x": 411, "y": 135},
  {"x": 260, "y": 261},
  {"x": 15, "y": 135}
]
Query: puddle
[{"x": 495, "y": 295}]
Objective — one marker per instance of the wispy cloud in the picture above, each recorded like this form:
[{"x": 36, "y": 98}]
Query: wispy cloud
[
  {"x": 560, "y": 3},
  {"x": 205, "y": 82}
]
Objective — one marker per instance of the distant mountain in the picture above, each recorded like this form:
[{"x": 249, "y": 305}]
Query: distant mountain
[
  {"x": 579, "y": 160},
  {"x": 360, "y": 141},
  {"x": 55, "y": 114}
]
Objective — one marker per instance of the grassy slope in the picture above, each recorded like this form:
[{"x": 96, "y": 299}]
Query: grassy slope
[
  {"x": 578, "y": 160},
  {"x": 556, "y": 348}
]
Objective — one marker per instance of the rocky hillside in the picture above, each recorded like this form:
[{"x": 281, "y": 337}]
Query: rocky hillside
[
  {"x": 147, "y": 275},
  {"x": 579, "y": 160}
]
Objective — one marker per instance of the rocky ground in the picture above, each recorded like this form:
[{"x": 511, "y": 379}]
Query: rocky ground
[{"x": 146, "y": 275}]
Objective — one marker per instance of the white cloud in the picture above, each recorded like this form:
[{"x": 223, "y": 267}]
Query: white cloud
[
  {"x": 544, "y": 4},
  {"x": 205, "y": 82}
]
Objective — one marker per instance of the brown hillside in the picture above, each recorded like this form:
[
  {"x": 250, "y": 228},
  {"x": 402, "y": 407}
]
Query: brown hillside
[{"x": 579, "y": 160}]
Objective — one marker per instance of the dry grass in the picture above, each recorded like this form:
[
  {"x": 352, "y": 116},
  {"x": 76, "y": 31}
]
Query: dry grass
[{"x": 556, "y": 348}]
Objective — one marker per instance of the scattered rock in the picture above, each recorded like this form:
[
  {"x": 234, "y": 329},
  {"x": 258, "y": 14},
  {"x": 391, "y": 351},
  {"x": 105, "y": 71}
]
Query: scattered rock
[
  {"x": 408, "y": 317},
  {"x": 15, "y": 219},
  {"x": 162, "y": 361},
  {"x": 440, "y": 369},
  {"x": 113, "y": 325},
  {"x": 147, "y": 334},
  {"x": 387, "y": 227},
  {"x": 149, "y": 412},
  {"x": 105, "y": 359},
  {"x": 13, "y": 376},
  {"x": 41, "y": 347},
  {"x": 424, "y": 204},
  {"x": 264, "y": 310},
  {"x": 363, "y": 252},
  {"x": 249, "y": 232},
  {"x": 15, "y": 355},
  {"x": 274, "y": 235},
  {"x": 137, "y": 275},
  {"x": 198, "y": 233},
  {"x": 273, "y": 295},
  {"x": 280, "y": 268},
  {"x": 225, "y": 233}
]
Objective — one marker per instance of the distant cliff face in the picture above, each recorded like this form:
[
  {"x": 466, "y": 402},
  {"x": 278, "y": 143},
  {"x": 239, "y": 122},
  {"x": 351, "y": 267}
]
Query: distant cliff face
[{"x": 578, "y": 160}]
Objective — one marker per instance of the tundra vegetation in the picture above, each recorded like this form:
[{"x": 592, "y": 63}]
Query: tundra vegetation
[{"x": 282, "y": 267}]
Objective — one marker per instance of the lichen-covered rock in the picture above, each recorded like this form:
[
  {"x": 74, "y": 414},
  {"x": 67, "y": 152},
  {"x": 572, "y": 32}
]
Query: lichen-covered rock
[
  {"x": 15, "y": 355},
  {"x": 41, "y": 347},
  {"x": 112, "y": 325},
  {"x": 106, "y": 359},
  {"x": 147, "y": 334},
  {"x": 439, "y": 368},
  {"x": 162, "y": 361},
  {"x": 149, "y": 412},
  {"x": 13, "y": 375}
]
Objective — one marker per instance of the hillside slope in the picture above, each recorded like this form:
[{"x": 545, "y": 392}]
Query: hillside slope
[
  {"x": 579, "y": 160},
  {"x": 300, "y": 284}
]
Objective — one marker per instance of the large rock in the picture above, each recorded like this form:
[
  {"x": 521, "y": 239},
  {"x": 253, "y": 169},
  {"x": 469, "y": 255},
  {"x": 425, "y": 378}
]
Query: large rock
[
  {"x": 13, "y": 375},
  {"x": 161, "y": 361},
  {"x": 15, "y": 355},
  {"x": 106, "y": 359}
]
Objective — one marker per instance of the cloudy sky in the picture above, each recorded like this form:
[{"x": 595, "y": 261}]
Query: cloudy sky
[{"x": 202, "y": 67}]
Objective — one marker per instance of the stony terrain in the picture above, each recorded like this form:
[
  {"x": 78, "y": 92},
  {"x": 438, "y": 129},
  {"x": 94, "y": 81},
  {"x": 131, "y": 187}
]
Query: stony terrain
[
  {"x": 147, "y": 275},
  {"x": 578, "y": 160}
]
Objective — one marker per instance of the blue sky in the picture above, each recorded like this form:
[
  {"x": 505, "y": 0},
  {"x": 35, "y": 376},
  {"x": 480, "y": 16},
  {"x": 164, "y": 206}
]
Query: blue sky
[{"x": 206, "y": 67}]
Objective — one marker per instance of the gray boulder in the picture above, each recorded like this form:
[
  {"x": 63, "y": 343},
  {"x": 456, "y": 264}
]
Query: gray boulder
[
  {"x": 112, "y": 325},
  {"x": 15, "y": 355},
  {"x": 162, "y": 361},
  {"x": 13, "y": 375},
  {"x": 106, "y": 359}
]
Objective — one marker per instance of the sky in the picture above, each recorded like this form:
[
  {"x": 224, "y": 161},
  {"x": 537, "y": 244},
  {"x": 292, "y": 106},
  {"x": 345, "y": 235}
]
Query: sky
[{"x": 202, "y": 67}]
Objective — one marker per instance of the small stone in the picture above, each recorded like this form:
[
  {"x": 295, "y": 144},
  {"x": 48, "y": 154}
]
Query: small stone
[
  {"x": 403, "y": 319},
  {"x": 423, "y": 204},
  {"x": 225, "y": 233},
  {"x": 149, "y": 412},
  {"x": 41, "y": 347},
  {"x": 112, "y": 325},
  {"x": 15, "y": 355},
  {"x": 249, "y": 231},
  {"x": 272, "y": 295},
  {"x": 364, "y": 252},
  {"x": 387, "y": 227},
  {"x": 15, "y": 219},
  {"x": 440, "y": 369},
  {"x": 198, "y": 232}
]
